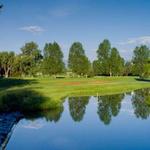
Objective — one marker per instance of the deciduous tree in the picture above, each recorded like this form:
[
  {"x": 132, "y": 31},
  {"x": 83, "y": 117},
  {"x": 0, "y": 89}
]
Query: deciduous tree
[
  {"x": 30, "y": 58},
  {"x": 103, "y": 53},
  {"x": 53, "y": 59},
  {"x": 140, "y": 59},
  {"x": 7, "y": 63},
  {"x": 78, "y": 62}
]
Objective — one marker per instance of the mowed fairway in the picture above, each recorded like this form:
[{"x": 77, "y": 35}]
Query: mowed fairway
[{"x": 59, "y": 88}]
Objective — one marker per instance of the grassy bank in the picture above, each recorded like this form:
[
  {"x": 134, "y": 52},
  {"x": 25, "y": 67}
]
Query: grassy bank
[{"x": 47, "y": 93}]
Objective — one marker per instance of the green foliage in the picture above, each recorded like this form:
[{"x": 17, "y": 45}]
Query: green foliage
[
  {"x": 78, "y": 61},
  {"x": 109, "y": 60},
  {"x": 128, "y": 68},
  {"x": 25, "y": 100},
  {"x": 30, "y": 59},
  {"x": 77, "y": 107},
  {"x": 47, "y": 93},
  {"x": 116, "y": 62},
  {"x": 140, "y": 59},
  {"x": 140, "y": 102},
  {"x": 97, "y": 67},
  {"x": 6, "y": 63},
  {"x": 104, "y": 50},
  {"x": 30, "y": 62},
  {"x": 53, "y": 59},
  {"x": 29, "y": 49},
  {"x": 146, "y": 72},
  {"x": 109, "y": 106},
  {"x": 103, "y": 53}
]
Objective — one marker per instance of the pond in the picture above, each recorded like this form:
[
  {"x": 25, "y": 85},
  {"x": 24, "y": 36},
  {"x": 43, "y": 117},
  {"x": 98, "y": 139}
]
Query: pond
[{"x": 114, "y": 122}]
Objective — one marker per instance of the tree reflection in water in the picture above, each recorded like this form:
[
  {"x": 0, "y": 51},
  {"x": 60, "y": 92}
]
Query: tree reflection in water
[
  {"x": 53, "y": 115},
  {"x": 139, "y": 102},
  {"x": 77, "y": 107},
  {"x": 109, "y": 106}
]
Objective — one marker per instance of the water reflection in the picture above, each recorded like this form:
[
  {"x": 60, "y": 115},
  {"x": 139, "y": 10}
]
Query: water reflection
[
  {"x": 49, "y": 115},
  {"x": 109, "y": 106},
  {"x": 77, "y": 107},
  {"x": 140, "y": 100},
  {"x": 106, "y": 108}
]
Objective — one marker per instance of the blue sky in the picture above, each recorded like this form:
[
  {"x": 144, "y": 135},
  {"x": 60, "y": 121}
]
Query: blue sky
[{"x": 126, "y": 23}]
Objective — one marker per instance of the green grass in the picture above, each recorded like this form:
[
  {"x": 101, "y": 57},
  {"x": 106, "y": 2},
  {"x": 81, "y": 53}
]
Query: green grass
[{"x": 49, "y": 92}]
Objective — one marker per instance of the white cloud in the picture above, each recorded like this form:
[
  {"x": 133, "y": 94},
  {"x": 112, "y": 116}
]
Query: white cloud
[
  {"x": 137, "y": 41},
  {"x": 32, "y": 29},
  {"x": 33, "y": 125}
]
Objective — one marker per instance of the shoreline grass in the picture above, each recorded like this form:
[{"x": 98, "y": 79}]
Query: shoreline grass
[{"x": 53, "y": 91}]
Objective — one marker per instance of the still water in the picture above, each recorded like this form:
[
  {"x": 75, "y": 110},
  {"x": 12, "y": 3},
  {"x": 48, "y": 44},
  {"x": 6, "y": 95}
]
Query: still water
[{"x": 115, "y": 122}]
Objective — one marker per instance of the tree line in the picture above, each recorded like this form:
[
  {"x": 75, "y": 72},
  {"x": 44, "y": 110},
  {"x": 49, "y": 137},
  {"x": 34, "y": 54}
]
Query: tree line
[{"x": 31, "y": 61}]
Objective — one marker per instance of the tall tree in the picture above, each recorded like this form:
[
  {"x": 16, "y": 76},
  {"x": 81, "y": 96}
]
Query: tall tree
[
  {"x": 103, "y": 53},
  {"x": 53, "y": 59},
  {"x": 78, "y": 62},
  {"x": 97, "y": 67},
  {"x": 109, "y": 60},
  {"x": 30, "y": 58},
  {"x": 140, "y": 59},
  {"x": 116, "y": 63}
]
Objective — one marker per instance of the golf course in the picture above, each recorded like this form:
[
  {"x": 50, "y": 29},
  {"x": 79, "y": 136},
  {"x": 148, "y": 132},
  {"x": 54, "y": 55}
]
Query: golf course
[
  {"x": 75, "y": 75},
  {"x": 48, "y": 93}
]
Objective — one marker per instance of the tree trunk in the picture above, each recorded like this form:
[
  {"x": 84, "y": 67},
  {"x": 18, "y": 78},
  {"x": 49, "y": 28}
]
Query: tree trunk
[
  {"x": 7, "y": 73},
  {"x": 110, "y": 73}
]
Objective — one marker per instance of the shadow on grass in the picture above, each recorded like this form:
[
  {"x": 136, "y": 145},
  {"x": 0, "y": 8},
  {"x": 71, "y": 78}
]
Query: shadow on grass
[
  {"x": 26, "y": 101},
  {"x": 23, "y": 100},
  {"x": 140, "y": 79},
  {"x": 6, "y": 83}
]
